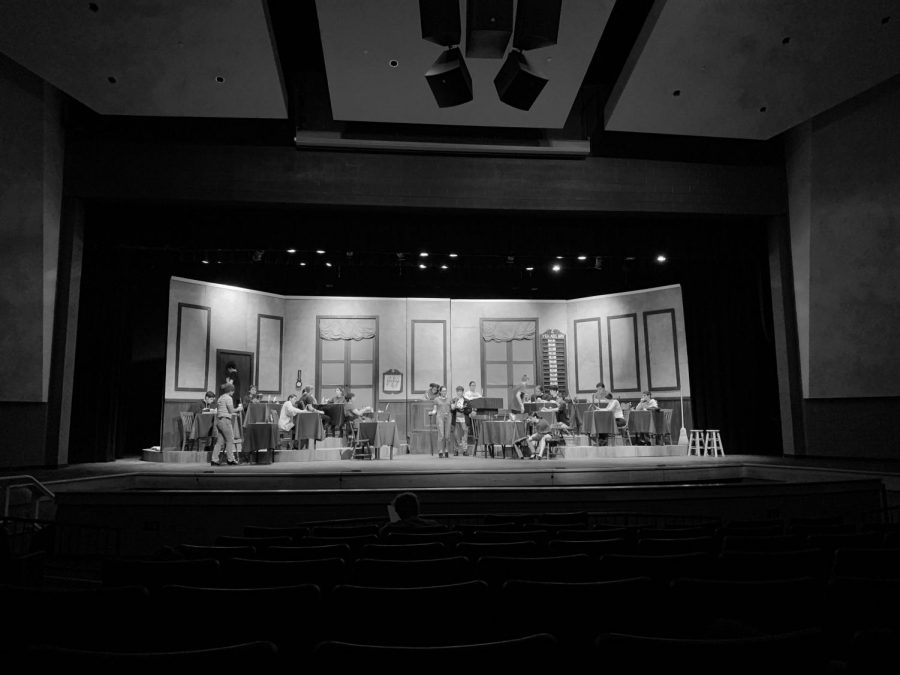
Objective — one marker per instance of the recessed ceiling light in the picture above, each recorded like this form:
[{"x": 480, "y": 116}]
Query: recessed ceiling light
[
  {"x": 453, "y": 255},
  {"x": 661, "y": 258},
  {"x": 220, "y": 79},
  {"x": 763, "y": 109},
  {"x": 443, "y": 267},
  {"x": 393, "y": 63},
  {"x": 423, "y": 254},
  {"x": 205, "y": 262},
  {"x": 529, "y": 269},
  {"x": 292, "y": 250},
  {"x": 559, "y": 257},
  {"x": 111, "y": 79},
  {"x": 557, "y": 268},
  {"x": 422, "y": 266},
  {"x": 320, "y": 251},
  {"x": 677, "y": 92},
  {"x": 303, "y": 264},
  {"x": 582, "y": 257},
  {"x": 93, "y": 6},
  {"x": 328, "y": 264}
]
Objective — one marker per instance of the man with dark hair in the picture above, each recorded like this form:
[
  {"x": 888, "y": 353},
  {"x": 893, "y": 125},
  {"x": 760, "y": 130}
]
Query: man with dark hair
[
  {"x": 231, "y": 374},
  {"x": 404, "y": 514}
]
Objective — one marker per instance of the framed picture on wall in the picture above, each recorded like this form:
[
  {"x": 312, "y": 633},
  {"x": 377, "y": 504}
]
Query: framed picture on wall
[{"x": 392, "y": 381}]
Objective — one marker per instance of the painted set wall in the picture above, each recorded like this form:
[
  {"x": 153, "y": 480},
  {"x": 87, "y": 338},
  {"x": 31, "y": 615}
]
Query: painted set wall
[{"x": 446, "y": 333}]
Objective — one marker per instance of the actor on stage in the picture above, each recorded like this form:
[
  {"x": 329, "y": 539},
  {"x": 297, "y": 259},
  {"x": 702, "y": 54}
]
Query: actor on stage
[
  {"x": 614, "y": 405},
  {"x": 538, "y": 440},
  {"x": 288, "y": 410},
  {"x": 523, "y": 394},
  {"x": 441, "y": 413},
  {"x": 599, "y": 396},
  {"x": 252, "y": 396},
  {"x": 472, "y": 393},
  {"x": 208, "y": 404},
  {"x": 224, "y": 412},
  {"x": 432, "y": 392},
  {"x": 647, "y": 402},
  {"x": 460, "y": 411}
]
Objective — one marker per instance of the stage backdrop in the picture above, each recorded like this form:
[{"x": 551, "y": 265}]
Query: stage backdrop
[{"x": 389, "y": 349}]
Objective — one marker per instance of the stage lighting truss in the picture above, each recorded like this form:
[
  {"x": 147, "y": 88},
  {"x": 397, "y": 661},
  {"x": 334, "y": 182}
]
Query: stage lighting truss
[{"x": 518, "y": 83}]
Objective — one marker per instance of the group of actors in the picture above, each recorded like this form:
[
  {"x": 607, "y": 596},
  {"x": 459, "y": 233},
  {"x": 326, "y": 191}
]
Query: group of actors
[{"x": 452, "y": 415}]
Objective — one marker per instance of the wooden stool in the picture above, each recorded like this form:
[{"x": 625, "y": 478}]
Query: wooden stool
[
  {"x": 714, "y": 443},
  {"x": 696, "y": 443}
]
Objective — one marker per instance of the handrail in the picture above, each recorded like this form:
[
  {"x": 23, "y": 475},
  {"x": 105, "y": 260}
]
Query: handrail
[{"x": 30, "y": 482}]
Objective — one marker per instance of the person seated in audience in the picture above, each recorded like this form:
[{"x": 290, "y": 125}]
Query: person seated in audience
[
  {"x": 208, "y": 404},
  {"x": 613, "y": 404},
  {"x": 404, "y": 515},
  {"x": 472, "y": 393},
  {"x": 647, "y": 402},
  {"x": 538, "y": 440}
]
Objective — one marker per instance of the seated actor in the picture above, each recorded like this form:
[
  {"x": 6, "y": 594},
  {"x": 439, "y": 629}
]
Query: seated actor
[
  {"x": 538, "y": 440},
  {"x": 252, "y": 396},
  {"x": 208, "y": 404},
  {"x": 613, "y": 404}
]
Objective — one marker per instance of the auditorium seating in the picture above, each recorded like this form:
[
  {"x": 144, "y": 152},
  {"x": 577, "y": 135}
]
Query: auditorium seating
[{"x": 696, "y": 585}]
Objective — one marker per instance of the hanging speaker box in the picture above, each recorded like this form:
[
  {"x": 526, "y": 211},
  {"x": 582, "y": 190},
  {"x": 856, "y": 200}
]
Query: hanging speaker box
[
  {"x": 518, "y": 85},
  {"x": 449, "y": 80},
  {"x": 440, "y": 21},
  {"x": 489, "y": 25}
]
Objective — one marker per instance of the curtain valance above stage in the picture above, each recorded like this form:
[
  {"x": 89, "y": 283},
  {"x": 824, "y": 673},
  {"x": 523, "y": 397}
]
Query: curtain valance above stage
[
  {"x": 506, "y": 331},
  {"x": 346, "y": 329}
]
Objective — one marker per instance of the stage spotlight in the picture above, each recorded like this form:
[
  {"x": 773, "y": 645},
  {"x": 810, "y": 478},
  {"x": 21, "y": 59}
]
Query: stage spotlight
[
  {"x": 537, "y": 23},
  {"x": 422, "y": 266},
  {"x": 443, "y": 267},
  {"x": 423, "y": 254},
  {"x": 582, "y": 257},
  {"x": 529, "y": 269},
  {"x": 661, "y": 258},
  {"x": 518, "y": 84},
  {"x": 205, "y": 261},
  {"x": 489, "y": 25},
  {"x": 320, "y": 251},
  {"x": 292, "y": 250},
  {"x": 327, "y": 264},
  {"x": 557, "y": 267},
  {"x": 303, "y": 263},
  {"x": 449, "y": 79},
  {"x": 440, "y": 21},
  {"x": 453, "y": 255}
]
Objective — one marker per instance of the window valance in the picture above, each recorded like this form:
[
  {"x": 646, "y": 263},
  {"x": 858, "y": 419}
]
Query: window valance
[
  {"x": 506, "y": 331},
  {"x": 346, "y": 329}
]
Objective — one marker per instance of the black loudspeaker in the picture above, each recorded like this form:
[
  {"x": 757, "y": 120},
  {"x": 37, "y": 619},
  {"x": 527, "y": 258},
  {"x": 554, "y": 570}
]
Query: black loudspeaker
[
  {"x": 449, "y": 79},
  {"x": 489, "y": 26},
  {"x": 440, "y": 21},
  {"x": 518, "y": 85},
  {"x": 537, "y": 23}
]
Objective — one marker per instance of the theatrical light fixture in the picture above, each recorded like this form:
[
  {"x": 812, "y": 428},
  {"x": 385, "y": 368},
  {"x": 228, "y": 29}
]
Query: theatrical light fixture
[
  {"x": 422, "y": 266},
  {"x": 443, "y": 267},
  {"x": 582, "y": 257},
  {"x": 205, "y": 262},
  {"x": 292, "y": 250},
  {"x": 557, "y": 267},
  {"x": 303, "y": 264},
  {"x": 559, "y": 257},
  {"x": 327, "y": 264},
  {"x": 661, "y": 258},
  {"x": 423, "y": 254},
  {"x": 320, "y": 251},
  {"x": 529, "y": 269},
  {"x": 453, "y": 255}
]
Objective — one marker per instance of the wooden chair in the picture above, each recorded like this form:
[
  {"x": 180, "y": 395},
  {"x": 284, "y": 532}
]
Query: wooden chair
[{"x": 187, "y": 430}]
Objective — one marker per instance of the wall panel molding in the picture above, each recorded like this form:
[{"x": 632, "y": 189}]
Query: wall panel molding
[
  {"x": 659, "y": 335},
  {"x": 195, "y": 319},
  {"x": 626, "y": 356},
  {"x": 415, "y": 386},
  {"x": 268, "y": 374},
  {"x": 586, "y": 378}
]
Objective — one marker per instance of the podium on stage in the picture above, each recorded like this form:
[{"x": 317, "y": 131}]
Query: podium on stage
[
  {"x": 423, "y": 428},
  {"x": 486, "y": 406}
]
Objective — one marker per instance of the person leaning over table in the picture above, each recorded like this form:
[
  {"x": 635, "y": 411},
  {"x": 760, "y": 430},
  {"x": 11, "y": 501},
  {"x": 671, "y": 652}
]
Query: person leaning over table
[
  {"x": 208, "y": 403},
  {"x": 599, "y": 396},
  {"x": 288, "y": 411},
  {"x": 225, "y": 410},
  {"x": 308, "y": 403},
  {"x": 613, "y": 404},
  {"x": 252, "y": 396},
  {"x": 432, "y": 392},
  {"x": 460, "y": 410}
]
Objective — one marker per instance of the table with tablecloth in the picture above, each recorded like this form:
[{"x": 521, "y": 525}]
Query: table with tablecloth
[
  {"x": 499, "y": 432},
  {"x": 378, "y": 434},
  {"x": 260, "y": 436},
  {"x": 204, "y": 427},
  {"x": 598, "y": 422},
  {"x": 652, "y": 422},
  {"x": 308, "y": 425},
  {"x": 576, "y": 415},
  {"x": 259, "y": 412}
]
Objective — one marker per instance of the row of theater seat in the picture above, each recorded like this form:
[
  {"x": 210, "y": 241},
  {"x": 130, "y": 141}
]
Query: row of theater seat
[
  {"x": 330, "y": 571},
  {"x": 577, "y": 615}
]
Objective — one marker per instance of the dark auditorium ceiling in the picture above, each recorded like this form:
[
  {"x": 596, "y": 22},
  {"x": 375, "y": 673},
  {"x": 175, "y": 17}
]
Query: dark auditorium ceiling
[{"x": 744, "y": 69}]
